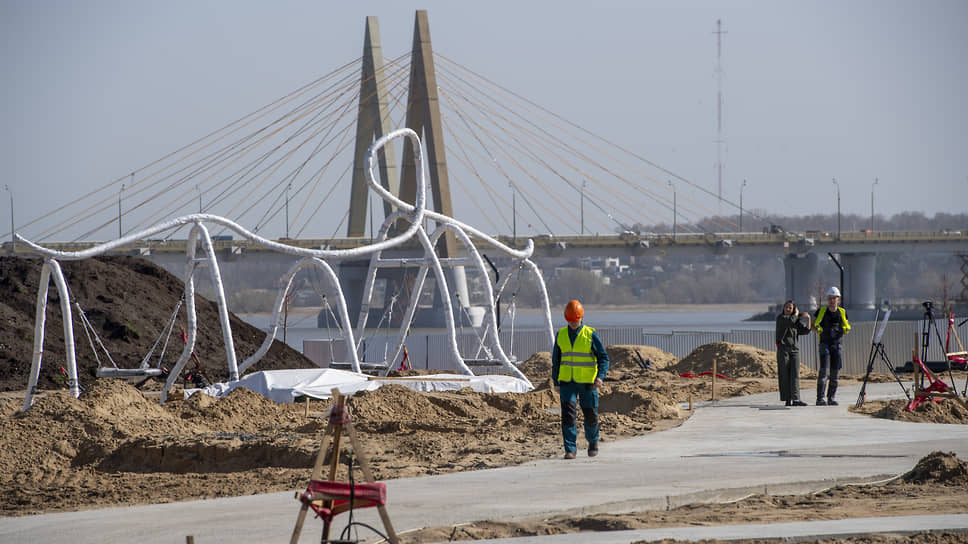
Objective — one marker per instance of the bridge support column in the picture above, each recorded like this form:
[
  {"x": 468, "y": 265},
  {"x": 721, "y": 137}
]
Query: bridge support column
[
  {"x": 398, "y": 282},
  {"x": 802, "y": 273},
  {"x": 859, "y": 284}
]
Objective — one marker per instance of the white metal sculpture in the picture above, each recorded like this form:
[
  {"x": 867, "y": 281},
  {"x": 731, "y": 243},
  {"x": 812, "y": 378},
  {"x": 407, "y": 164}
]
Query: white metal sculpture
[{"x": 414, "y": 214}]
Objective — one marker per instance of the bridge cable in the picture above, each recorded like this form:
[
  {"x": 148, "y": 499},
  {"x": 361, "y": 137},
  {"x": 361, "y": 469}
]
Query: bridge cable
[
  {"x": 239, "y": 123},
  {"x": 580, "y": 128},
  {"x": 569, "y": 147}
]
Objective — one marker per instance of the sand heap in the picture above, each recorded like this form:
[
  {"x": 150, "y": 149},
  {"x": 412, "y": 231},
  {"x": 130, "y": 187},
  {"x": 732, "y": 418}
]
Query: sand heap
[
  {"x": 113, "y": 445},
  {"x": 732, "y": 360},
  {"x": 943, "y": 411},
  {"x": 940, "y": 468},
  {"x": 631, "y": 356},
  {"x": 129, "y": 301}
]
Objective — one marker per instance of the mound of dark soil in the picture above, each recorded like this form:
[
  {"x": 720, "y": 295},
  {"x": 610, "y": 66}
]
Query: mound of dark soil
[
  {"x": 129, "y": 302},
  {"x": 941, "y": 468},
  {"x": 945, "y": 411}
]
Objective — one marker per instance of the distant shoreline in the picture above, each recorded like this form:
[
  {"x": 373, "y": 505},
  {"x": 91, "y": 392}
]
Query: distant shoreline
[{"x": 751, "y": 308}]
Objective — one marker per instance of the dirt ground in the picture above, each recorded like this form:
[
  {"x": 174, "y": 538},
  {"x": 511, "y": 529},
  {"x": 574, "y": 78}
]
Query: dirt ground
[{"x": 116, "y": 445}]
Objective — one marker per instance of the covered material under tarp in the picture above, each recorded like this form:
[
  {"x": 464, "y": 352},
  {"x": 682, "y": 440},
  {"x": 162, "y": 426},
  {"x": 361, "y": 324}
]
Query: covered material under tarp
[{"x": 288, "y": 385}]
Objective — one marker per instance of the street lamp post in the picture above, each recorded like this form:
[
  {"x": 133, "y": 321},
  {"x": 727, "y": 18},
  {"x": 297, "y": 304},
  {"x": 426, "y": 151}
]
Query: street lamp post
[
  {"x": 838, "y": 207},
  {"x": 583, "y": 182},
  {"x": 287, "y": 212},
  {"x": 872, "y": 203},
  {"x": 199, "y": 189},
  {"x": 514, "y": 216},
  {"x": 13, "y": 240},
  {"x": 741, "y": 205},
  {"x": 121, "y": 192},
  {"x": 674, "y": 211}
]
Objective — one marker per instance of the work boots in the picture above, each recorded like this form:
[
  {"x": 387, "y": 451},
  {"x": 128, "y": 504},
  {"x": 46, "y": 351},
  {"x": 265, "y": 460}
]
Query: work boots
[
  {"x": 593, "y": 449},
  {"x": 569, "y": 455}
]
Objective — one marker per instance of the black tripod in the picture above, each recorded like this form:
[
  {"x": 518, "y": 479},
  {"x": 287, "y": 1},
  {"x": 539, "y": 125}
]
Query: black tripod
[
  {"x": 926, "y": 327},
  {"x": 877, "y": 350}
]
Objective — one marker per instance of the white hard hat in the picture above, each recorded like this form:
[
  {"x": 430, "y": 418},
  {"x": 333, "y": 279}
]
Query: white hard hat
[{"x": 833, "y": 292}]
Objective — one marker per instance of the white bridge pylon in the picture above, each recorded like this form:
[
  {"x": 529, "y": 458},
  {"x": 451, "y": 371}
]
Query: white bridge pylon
[{"x": 414, "y": 214}]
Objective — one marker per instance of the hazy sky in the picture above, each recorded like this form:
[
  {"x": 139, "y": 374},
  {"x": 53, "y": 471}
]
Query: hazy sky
[{"x": 813, "y": 90}]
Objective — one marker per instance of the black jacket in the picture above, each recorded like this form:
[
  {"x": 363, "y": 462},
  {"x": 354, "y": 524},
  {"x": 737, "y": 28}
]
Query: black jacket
[{"x": 788, "y": 328}]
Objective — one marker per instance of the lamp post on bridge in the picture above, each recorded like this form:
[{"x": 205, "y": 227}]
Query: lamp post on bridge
[
  {"x": 872, "y": 203},
  {"x": 514, "y": 216},
  {"x": 199, "y": 189},
  {"x": 741, "y": 205},
  {"x": 121, "y": 192},
  {"x": 583, "y": 182},
  {"x": 13, "y": 240},
  {"x": 674, "y": 211},
  {"x": 288, "y": 186},
  {"x": 838, "y": 207}
]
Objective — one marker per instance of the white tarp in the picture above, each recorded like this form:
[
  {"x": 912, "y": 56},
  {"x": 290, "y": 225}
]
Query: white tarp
[{"x": 287, "y": 385}]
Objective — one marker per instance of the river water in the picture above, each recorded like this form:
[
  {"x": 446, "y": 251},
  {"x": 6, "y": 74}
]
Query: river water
[{"x": 301, "y": 323}]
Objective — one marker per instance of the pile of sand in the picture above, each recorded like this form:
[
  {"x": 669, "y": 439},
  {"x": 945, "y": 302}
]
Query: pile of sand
[
  {"x": 942, "y": 411},
  {"x": 113, "y": 445},
  {"x": 732, "y": 360},
  {"x": 940, "y": 468},
  {"x": 632, "y": 356}
]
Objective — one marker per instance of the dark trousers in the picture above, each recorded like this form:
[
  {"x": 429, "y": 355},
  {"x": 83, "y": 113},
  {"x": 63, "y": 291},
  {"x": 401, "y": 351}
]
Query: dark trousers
[
  {"x": 788, "y": 372},
  {"x": 573, "y": 395},
  {"x": 830, "y": 361}
]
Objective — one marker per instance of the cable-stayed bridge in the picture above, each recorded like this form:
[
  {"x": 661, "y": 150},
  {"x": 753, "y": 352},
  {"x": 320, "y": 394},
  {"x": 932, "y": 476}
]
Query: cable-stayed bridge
[{"x": 293, "y": 170}]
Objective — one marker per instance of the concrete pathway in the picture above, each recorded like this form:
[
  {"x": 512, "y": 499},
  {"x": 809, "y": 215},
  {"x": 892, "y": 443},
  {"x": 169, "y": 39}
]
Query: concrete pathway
[{"x": 727, "y": 450}]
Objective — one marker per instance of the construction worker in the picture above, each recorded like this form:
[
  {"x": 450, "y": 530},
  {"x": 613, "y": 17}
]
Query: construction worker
[
  {"x": 789, "y": 327},
  {"x": 831, "y": 325},
  {"x": 578, "y": 366}
]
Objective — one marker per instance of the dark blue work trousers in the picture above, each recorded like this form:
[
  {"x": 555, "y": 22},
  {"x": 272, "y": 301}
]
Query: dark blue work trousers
[
  {"x": 830, "y": 362},
  {"x": 574, "y": 395}
]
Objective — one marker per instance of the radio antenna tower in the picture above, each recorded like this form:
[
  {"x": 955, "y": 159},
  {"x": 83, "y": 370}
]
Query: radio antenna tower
[{"x": 719, "y": 111}]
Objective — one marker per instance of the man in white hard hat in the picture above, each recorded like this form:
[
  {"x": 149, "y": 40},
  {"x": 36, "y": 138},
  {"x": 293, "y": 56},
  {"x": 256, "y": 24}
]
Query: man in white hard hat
[{"x": 831, "y": 325}]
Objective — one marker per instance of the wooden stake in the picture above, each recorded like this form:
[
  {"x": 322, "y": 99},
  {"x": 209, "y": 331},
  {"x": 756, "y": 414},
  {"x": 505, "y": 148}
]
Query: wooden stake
[
  {"x": 307, "y": 407},
  {"x": 714, "y": 379},
  {"x": 690, "y": 401}
]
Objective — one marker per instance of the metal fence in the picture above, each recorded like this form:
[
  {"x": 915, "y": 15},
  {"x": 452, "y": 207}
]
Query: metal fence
[{"x": 899, "y": 338}]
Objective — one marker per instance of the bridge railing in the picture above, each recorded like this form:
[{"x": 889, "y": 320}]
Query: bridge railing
[{"x": 618, "y": 241}]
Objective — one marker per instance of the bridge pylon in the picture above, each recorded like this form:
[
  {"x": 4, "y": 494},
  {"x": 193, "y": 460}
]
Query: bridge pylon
[
  {"x": 372, "y": 123},
  {"x": 423, "y": 117}
]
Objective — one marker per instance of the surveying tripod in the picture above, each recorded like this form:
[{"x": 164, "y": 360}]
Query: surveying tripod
[
  {"x": 877, "y": 350},
  {"x": 926, "y": 327}
]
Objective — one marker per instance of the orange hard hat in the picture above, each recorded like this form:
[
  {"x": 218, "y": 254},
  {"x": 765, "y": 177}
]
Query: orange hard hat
[{"x": 574, "y": 311}]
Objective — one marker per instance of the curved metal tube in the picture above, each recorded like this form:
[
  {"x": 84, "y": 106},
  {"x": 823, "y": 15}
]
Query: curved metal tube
[
  {"x": 50, "y": 267},
  {"x": 281, "y": 300},
  {"x": 413, "y": 213},
  {"x": 192, "y": 320}
]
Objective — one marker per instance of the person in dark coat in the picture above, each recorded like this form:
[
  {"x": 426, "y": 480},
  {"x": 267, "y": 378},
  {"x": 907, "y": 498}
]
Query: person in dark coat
[{"x": 790, "y": 324}]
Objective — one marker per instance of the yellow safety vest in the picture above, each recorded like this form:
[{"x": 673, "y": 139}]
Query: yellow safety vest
[
  {"x": 578, "y": 361},
  {"x": 843, "y": 320}
]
